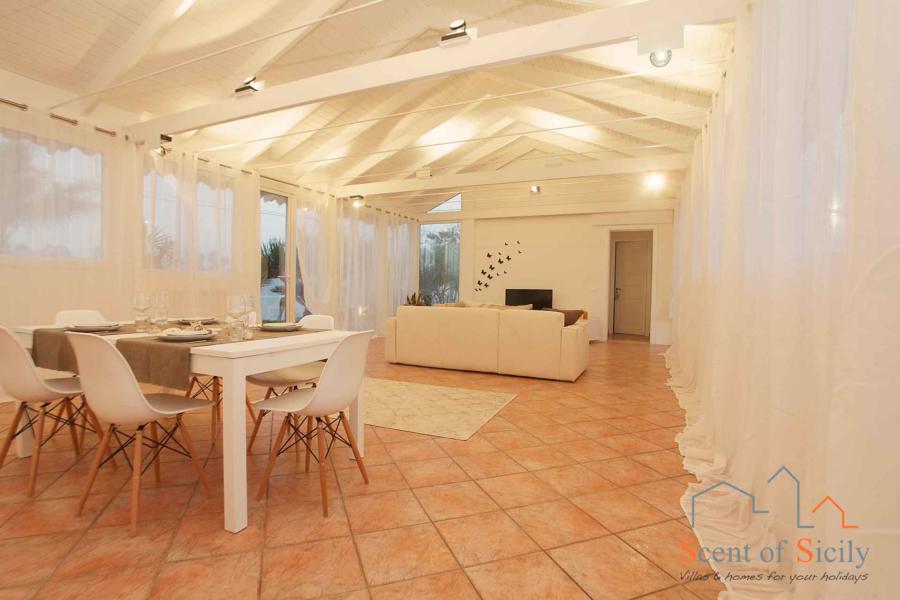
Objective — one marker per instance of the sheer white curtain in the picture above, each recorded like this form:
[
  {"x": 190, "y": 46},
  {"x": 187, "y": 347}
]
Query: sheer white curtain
[
  {"x": 67, "y": 218},
  {"x": 200, "y": 232},
  {"x": 786, "y": 283},
  {"x": 356, "y": 264}
]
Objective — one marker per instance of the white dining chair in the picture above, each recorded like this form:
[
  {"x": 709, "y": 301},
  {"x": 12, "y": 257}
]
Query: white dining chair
[
  {"x": 49, "y": 398},
  {"x": 288, "y": 378},
  {"x": 67, "y": 318},
  {"x": 116, "y": 397},
  {"x": 326, "y": 405}
]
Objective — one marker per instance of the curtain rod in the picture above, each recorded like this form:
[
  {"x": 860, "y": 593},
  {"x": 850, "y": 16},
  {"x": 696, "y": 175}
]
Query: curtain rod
[{"x": 73, "y": 122}]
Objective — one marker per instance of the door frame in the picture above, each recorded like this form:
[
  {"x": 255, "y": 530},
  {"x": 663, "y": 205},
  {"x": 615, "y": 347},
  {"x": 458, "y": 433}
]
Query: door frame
[
  {"x": 286, "y": 191},
  {"x": 649, "y": 235}
]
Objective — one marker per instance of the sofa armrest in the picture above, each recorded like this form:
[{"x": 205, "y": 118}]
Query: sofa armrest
[
  {"x": 574, "y": 351},
  {"x": 390, "y": 340}
]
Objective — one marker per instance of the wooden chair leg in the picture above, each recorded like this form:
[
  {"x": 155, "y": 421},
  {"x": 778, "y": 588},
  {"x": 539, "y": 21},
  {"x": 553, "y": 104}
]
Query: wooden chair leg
[
  {"x": 136, "y": 464},
  {"x": 273, "y": 454},
  {"x": 359, "y": 460},
  {"x": 259, "y": 417},
  {"x": 89, "y": 415},
  {"x": 154, "y": 436},
  {"x": 36, "y": 452},
  {"x": 297, "y": 423},
  {"x": 190, "y": 390},
  {"x": 70, "y": 416},
  {"x": 195, "y": 460},
  {"x": 250, "y": 408},
  {"x": 84, "y": 422},
  {"x": 95, "y": 466},
  {"x": 309, "y": 437},
  {"x": 7, "y": 442},
  {"x": 216, "y": 415},
  {"x": 323, "y": 481}
]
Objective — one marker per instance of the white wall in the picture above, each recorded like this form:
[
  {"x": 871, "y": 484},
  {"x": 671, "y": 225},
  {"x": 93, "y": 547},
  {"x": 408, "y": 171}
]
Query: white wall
[{"x": 569, "y": 254}]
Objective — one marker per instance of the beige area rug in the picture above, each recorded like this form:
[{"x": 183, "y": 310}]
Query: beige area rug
[{"x": 431, "y": 409}]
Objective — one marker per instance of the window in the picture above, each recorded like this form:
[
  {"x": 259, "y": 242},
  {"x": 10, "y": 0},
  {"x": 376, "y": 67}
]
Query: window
[
  {"x": 52, "y": 198},
  {"x": 164, "y": 217},
  {"x": 215, "y": 223},
  {"x": 453, "y": 204},
  {"x": 439, "y": 262},
  {"x": 273, "y": 240}
]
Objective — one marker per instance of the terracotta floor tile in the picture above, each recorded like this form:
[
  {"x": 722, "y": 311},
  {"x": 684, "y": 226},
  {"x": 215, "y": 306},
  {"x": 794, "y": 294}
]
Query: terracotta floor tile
[
  {"x": 489, "y": 464},
  {"x": 399, "y": 554},
  {"x": 629, "y": 444},
  {"x": 235, "y": 576},
  {"x": 624, "y": 471},
  {"x": 665, "y": 419},
  {"x": 15, "y": 487},
  {"x": 539, "y": 457},
  {"x": 53, "y": 516},
  {"x": 529, "y": 577},
  {"x": 31, "y": 560},
  {"x": 664, "y": 495},
  {"x": 388, "y": 436},
  {"x": 203, "y": 536},
  {"x": 376, "y": 454},
  {"x": 311, "y": 570},
  {"x": 666, "y": 462},
  {"x": 303, "y": 522},
  {"x": 573, "y": 480},
  {"x": 485, "y": 537},
  {"x": 587, "y": 450},
  {"x": 129, "y": 584},
  {"x": 631, "y": 424},
  {"x": 595, "y": 429},
  {"x": 663, "y": 543},
  {"x": 554, "y": 434},
  {"x": 443, "y": 586},
  {"x": 673, "y": 593},
  {"x": 603, "y": 412},
  {"x": 156, "y": 504},
  {"x": 557, "y": 523},
  {"x": 476, "y": 444},
  {"x": 384, "y": 511},
  {"x": 454, "y": 500},
  {"x": 508, "y": 440},
  {"x": 417, "y": 450},
  {"x": 497, "y": 424},
  {"x": 517, "y": 490},
  {"x": 112, "y": 549},
  {"x": 618, "y": 510},
  {"x": 382, "y": 478},
  {"x": 71, "y": 484},
  {"x": 664, "y": 438},
  {"x": 296, "y": 488},
  {"x": 435, "y": 471},
  {"x": 608, "y": 569}
]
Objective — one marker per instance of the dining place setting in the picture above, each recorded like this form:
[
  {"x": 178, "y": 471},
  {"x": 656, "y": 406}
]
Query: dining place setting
[{"x": 312, "y": 373}]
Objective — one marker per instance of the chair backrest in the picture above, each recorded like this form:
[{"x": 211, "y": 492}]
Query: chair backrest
[
  {"x": 318, "y": 321},
  {"x": 109, "y": 385},
  {"x": 66, "y": 318},
  {"x": 342, "y": 375},
  {"x": 18, "y": 375}
]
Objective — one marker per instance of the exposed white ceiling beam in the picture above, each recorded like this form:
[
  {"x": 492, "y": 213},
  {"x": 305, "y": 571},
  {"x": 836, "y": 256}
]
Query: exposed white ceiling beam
[
  {"x": 625, "y": 165},
  {"x": 587, "y": 30},
  {"x": 142, "y": 41}
]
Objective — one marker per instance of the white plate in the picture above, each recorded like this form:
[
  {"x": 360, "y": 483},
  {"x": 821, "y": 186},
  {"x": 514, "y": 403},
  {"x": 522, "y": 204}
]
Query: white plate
[
  {"x": 94, "y": 327},
  {"x": 187, "y": 336},
  {"x": 202, "y": 320},
  {"x": 281, "y": 326}
]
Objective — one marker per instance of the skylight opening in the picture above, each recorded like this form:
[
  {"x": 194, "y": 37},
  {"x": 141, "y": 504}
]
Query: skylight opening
[{"x": 452, "y": 204}]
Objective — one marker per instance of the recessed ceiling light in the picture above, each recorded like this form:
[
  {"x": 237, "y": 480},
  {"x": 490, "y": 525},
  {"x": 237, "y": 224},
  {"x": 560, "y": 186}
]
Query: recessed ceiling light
[
  {"x": 654, "y": 182},
  {"x": 535, "y": 189},
  {"x": 660, "y": 58}
]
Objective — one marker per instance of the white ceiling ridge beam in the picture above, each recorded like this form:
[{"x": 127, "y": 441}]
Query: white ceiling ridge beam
[
  {"x": 587, "y": 30},
  {"x": 666, "y": 162}
]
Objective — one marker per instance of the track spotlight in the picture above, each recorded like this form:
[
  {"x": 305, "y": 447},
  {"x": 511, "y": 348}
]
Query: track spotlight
[
  {"x": 535, "y": 189},
  {"x": 357, "y": 201},
  {"x": 661, "y": 58},
  {"x": 458, "y": 33},
  {"x": 251, "y": 85}
]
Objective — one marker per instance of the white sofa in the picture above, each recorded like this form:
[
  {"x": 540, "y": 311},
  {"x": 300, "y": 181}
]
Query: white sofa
[{"x": 531, "y": 343}]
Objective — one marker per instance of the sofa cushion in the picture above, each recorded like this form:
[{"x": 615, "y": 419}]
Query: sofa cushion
[
  {"x": 448, "y": 338},
  {"x": 571, "y": 316}
]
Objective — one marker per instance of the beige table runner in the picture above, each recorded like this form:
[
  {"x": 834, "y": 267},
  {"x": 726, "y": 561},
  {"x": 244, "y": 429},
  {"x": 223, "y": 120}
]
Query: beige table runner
[{"x": 153, "y": 361}]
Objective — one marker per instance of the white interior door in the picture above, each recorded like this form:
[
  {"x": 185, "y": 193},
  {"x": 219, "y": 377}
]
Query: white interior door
[{"x": 632, "y": 292}]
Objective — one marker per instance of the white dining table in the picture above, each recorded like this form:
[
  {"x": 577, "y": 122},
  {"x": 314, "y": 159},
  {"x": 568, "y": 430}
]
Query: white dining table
[{"x": 233, "y": 362}]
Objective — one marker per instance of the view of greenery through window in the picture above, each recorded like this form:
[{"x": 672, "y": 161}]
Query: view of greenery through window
[
  {"x": 273, "y": 268},
  {"x": 439, "y": 262}
]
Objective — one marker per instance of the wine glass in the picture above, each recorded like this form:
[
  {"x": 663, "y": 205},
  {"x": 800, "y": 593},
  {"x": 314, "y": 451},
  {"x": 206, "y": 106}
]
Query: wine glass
[{"x": 141, "y": 304}]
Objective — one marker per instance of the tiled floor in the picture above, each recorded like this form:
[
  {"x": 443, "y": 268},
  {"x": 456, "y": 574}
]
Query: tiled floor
[{"x": 570, "y": 492}]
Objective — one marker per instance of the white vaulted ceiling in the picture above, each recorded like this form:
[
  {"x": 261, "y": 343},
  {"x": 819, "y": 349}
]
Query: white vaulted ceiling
[{"x": 606, "y": 103}]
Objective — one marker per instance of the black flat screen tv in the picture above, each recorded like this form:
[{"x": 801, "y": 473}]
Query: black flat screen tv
[{"x": 537, "y": 298}]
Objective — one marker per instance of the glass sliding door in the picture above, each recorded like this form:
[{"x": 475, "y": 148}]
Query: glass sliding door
[
  {"x": 439, "y": 262},
  {"x": 273, "y": 284}
]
